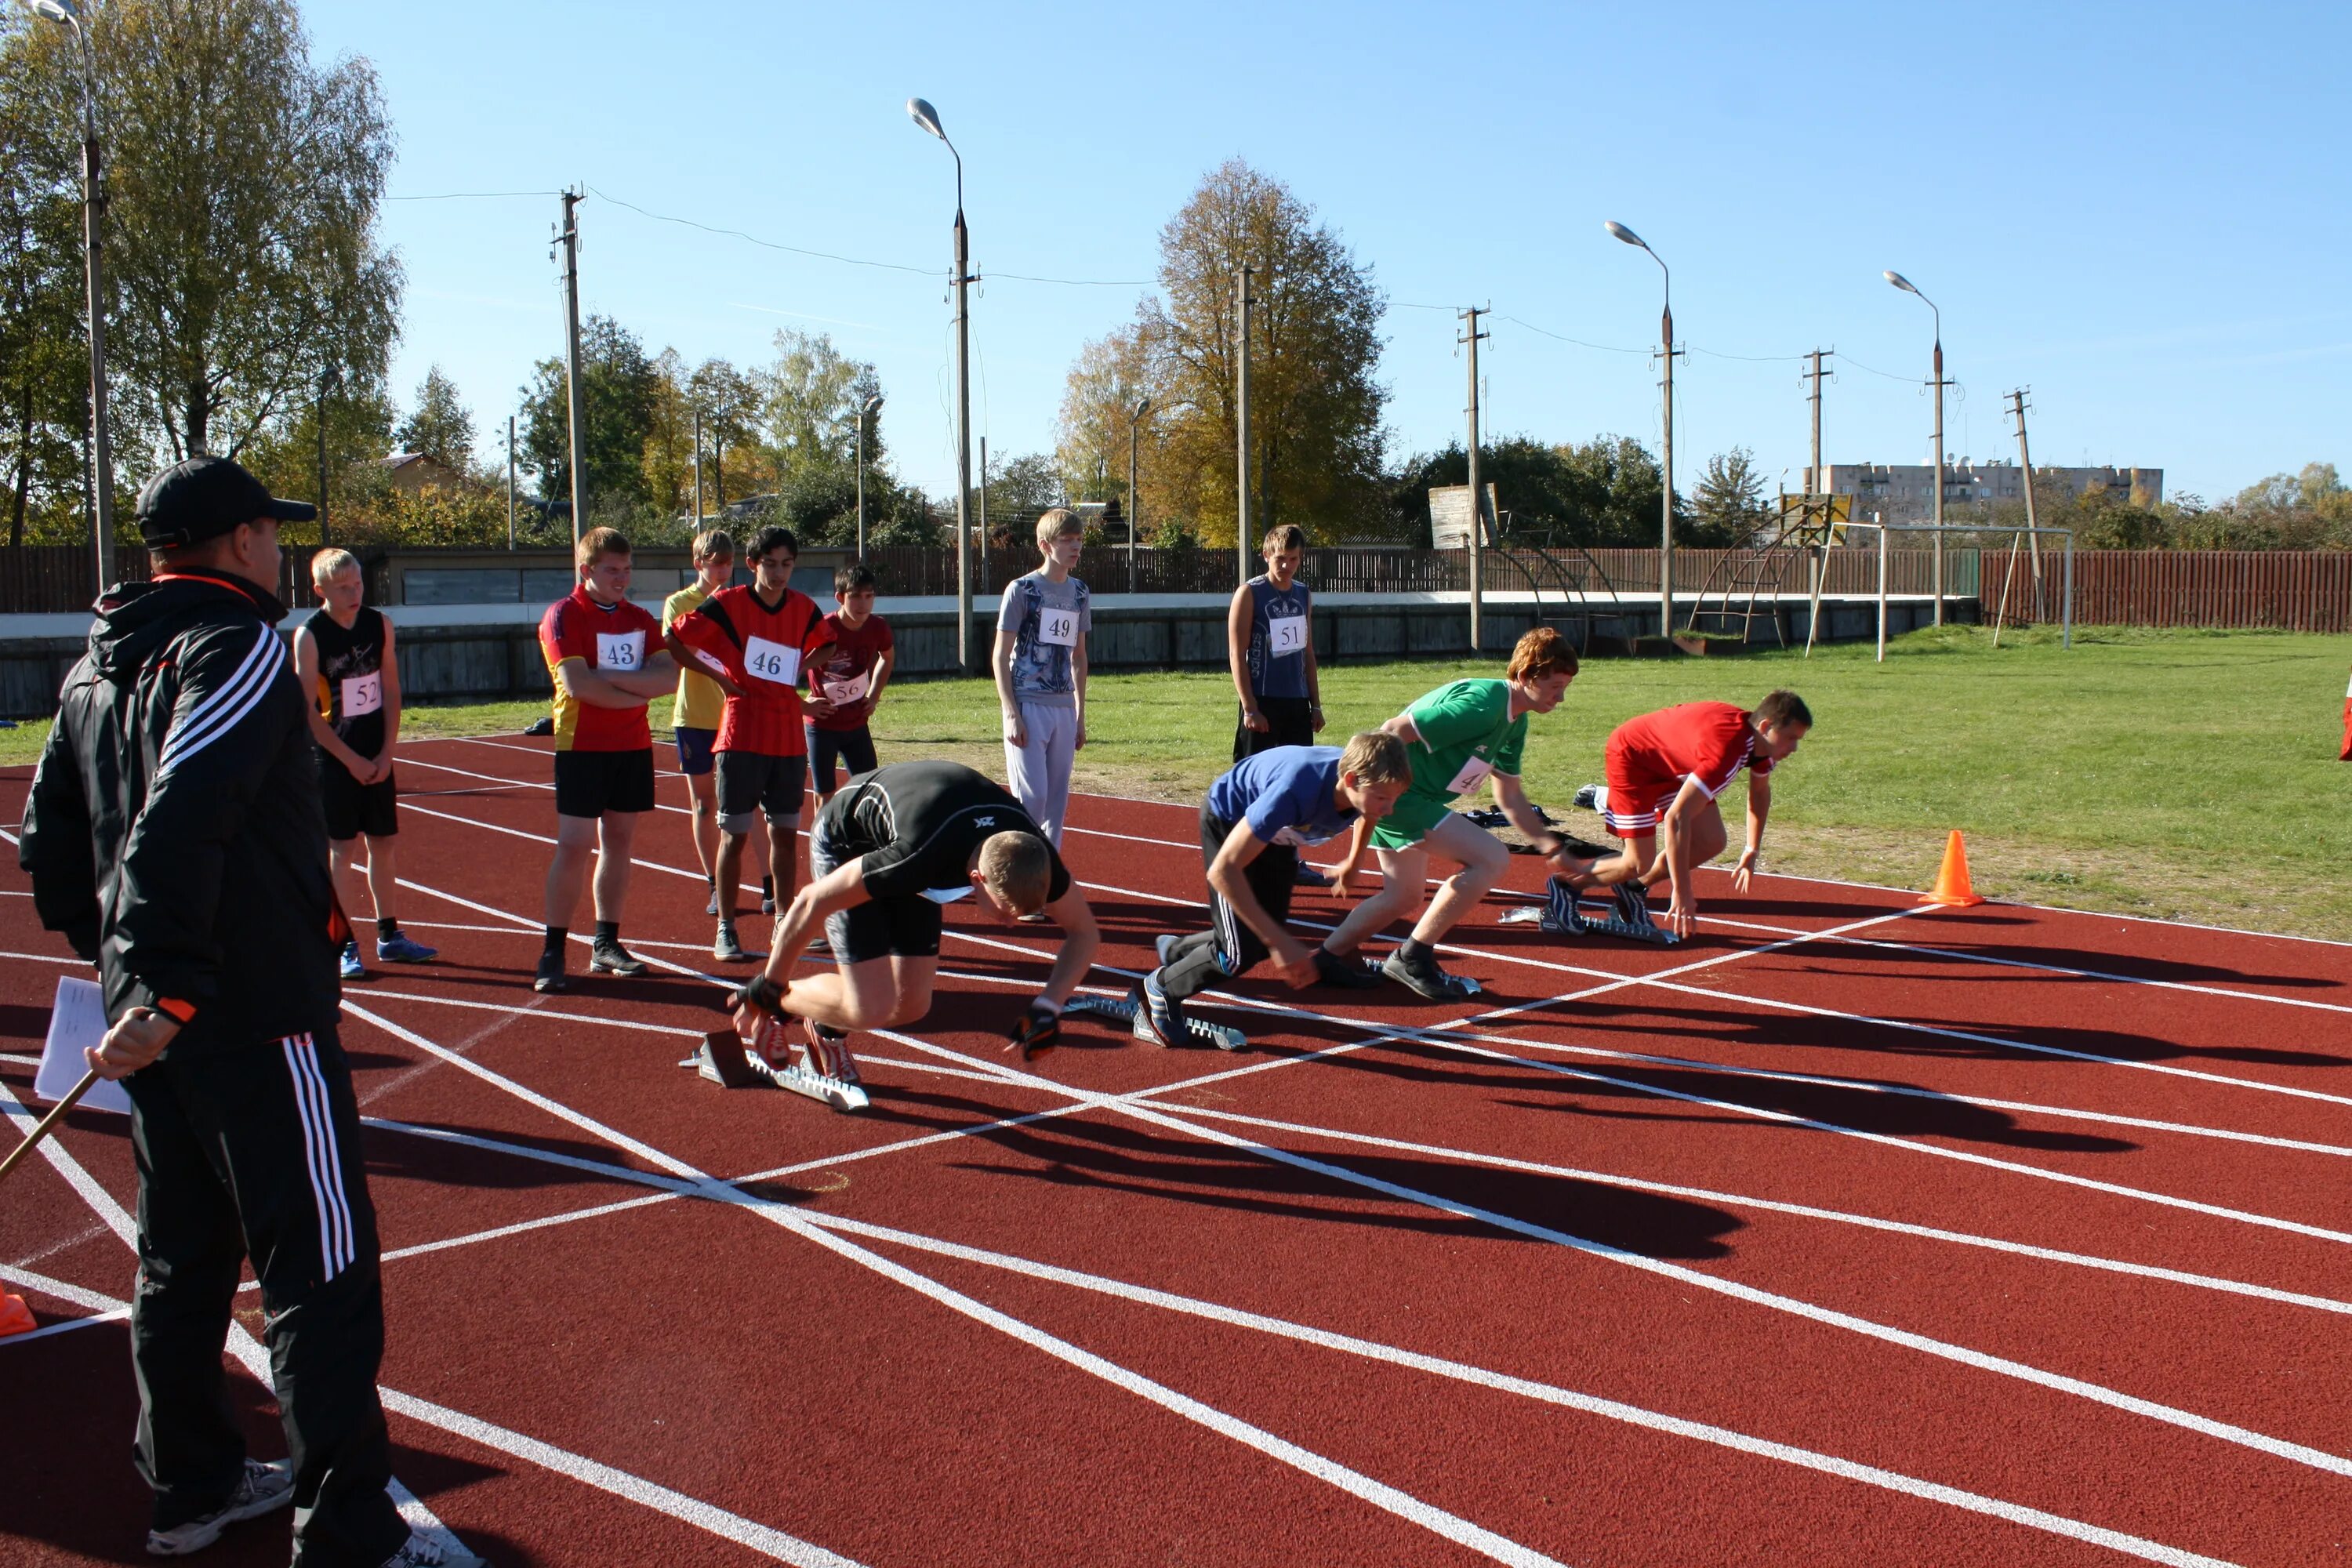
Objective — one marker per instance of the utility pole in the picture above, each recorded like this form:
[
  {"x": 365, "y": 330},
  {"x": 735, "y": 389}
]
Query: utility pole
[
  {"x": 1666, "y": 462},
  {"x": 2017, "y": 406},
  {"x": 1242, "y": 429},
  {"x": 1816, "y": 484},
  {"x": 511, "y": 482},
  {"x": 569, "y": 238},
  {"x": 320, "y": 418},
  {"x": 984, "y": 501},
  {"x": 1134, "y": 500},
  {"x": 1940, "y": 384},
  {"x": 1478, "y": 513},
  {"x": 963, "y": 279},
  {"x": 697, "y": 470}
]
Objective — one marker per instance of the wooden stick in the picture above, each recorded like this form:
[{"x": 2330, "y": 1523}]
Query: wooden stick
[{"x": 48, "y": 1123}]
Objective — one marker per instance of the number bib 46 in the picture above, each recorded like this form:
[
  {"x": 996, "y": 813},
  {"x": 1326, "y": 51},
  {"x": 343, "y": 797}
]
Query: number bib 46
[
  {"x": 1059, "y": 627},
  {"x": 363, "y": 694},
  {"x": 765, "y": 660},
  {"x": 620, "y": 650}
]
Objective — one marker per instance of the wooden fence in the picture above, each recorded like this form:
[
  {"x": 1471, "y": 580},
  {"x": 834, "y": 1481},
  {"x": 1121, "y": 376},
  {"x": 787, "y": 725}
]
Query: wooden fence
[
  {"x": 51, "y": 579},
  {"x": 2304, "y": 591}
]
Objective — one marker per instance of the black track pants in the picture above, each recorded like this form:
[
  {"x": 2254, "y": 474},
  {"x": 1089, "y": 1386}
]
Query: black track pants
[
  {"x": 254, "y": 1151},
  {"x": 1228, "y": 948}
]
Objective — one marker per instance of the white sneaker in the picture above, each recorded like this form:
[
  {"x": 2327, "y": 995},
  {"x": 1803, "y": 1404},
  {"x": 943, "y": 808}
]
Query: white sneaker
[
  {"x": 263, "y": 1488},
  {"x": 421, "y": 1551}
]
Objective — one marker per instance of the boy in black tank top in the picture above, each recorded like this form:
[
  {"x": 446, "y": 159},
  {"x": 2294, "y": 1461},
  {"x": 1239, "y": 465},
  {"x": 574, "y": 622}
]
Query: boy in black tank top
[{"x": 343, "y": 656}]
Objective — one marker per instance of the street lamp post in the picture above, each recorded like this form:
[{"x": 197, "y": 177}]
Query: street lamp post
[
  {"x": 865, "y": 415},
  {"x": 1134, "y": 505},
  {"x": 1666, "y": 441},
  {"x": 924, "y": 115},
  {"x": 1937, "y": 379},
  {"x": 67, "y": 14}
]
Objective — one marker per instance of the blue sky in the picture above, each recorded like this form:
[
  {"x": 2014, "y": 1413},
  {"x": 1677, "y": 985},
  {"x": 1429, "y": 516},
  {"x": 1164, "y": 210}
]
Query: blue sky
[{"x": 2138, "y": 211}]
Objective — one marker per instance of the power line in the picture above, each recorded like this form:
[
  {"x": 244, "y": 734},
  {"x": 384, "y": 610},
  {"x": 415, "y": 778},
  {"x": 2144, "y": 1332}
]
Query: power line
[
  {"x": 1580, "y": 342},
  {"x": 470, "y": 195},
  {"x": 1751, "y": 359}
]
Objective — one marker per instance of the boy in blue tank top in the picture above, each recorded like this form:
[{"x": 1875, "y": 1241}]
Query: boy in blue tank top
[{"x": 1270, "y": 645}]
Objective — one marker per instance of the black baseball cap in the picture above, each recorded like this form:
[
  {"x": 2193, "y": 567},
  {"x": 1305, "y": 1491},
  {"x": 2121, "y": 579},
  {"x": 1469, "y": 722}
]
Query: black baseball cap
[{"x": 203, "y": 496}]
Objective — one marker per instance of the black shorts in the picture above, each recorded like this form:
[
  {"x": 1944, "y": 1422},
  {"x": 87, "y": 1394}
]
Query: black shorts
[
  {"x": 1290, "y": 721},
  {"x": 854, "y": 748},
  {"x": 879, "y": 928},
  {"x": 749, "y": 780},
  {"x": 693, "y": 749},
  {"x": 590, "y": 784},
  {"x": 355, "y": 808}
]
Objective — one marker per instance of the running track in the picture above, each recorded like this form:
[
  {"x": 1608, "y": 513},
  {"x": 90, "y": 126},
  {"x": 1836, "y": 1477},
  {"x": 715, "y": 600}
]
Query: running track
[{"x": 1846, "y": 1234}]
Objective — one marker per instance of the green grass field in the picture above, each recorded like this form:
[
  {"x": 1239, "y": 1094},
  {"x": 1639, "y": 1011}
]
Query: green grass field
[{"x": 2184, "y": 775}]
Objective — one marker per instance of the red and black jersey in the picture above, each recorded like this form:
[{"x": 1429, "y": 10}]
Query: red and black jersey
[{"x": 762, "y": 649}]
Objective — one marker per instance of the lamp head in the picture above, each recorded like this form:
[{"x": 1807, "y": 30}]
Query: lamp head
[
  {"x": 65, "y": 13},
  {"x": 1627, "y": 235},
  {"x": 1142, "y": 406},
  {"x": 1904, "y": 283},
  {"x": 924, "y": 115},
  {"x": 873, "y": 406}
]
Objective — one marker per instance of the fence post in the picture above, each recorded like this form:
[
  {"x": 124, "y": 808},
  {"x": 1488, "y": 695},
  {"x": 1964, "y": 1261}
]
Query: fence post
[
  {"x": 2066, "y": 625},
  {"x": 1882, "y": 595}
]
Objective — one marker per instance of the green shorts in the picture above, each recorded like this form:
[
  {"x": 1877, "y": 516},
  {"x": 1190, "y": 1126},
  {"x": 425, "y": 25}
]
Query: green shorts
[{"x": 1409, "y": 822}]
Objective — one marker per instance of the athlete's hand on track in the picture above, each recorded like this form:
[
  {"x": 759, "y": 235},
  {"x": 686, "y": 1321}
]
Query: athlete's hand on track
[
  {"x": 1016, "y": 734},
  {"x": 1743, "y": 872},
  {"x": 1296, "y": 964},
  {"x": 136, "y": 1040},
  {"x": 1039, "y": 1031},
  {"x": 1682, "y": 915}
]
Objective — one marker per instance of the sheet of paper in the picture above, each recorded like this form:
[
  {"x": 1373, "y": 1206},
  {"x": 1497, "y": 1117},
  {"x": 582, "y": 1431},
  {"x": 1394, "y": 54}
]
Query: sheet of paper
[{"x": 78, "y": 1019}]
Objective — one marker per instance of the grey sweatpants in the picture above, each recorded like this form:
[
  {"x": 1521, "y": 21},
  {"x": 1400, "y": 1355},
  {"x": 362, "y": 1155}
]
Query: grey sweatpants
[{"x": 1039, "y": 773}]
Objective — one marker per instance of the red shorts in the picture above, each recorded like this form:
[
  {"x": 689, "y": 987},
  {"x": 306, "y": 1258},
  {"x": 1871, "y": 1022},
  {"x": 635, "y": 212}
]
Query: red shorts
[{"x": 1637, "y": 797}]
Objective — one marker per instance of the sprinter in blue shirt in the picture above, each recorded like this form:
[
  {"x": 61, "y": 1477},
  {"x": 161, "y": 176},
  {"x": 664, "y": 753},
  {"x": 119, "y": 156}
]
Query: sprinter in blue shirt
[{"x": 1255, "y": 820}]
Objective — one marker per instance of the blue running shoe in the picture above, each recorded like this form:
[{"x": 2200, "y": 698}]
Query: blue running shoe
[
  {"x": 1158, "y": 1021},
  {"x": 348, "y": 963},
  {"x": 1633, "y": 904},
  {"x": 398, "y": 948}
]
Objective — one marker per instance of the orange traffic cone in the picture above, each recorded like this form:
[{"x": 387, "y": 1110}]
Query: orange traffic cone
[
  {"x": 1951, "y": 887},
  {"x": 16, "y": 1318}
]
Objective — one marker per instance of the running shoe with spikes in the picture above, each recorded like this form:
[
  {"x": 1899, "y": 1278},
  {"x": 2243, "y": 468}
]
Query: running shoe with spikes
[
  {"x": 1158, "y": 1021},
  {"x": 263, "y": 1488},
  {"x": 421, "y": 1551},
  {"x": 609, "y": 957},
  {"x": 725, "y": 948},
  {"x": 1425, "y": 976},
  {"x": 1633, "y": 904},
  {"x": 1562, "y": 914},
  {"x": 1349, "y": 972}
]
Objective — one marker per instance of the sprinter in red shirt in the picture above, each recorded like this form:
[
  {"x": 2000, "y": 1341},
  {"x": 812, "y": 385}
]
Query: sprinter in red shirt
[
  {"x": 760, "y": 638},
  {"x": 1665, "y": 771}
]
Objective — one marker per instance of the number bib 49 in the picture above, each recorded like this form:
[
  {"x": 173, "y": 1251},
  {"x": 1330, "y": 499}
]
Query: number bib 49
[
  {"x": 1473, "y": 773},
  {"x": 765, "y": 660},
  {"x": 1059, "y": 627},
  {"x": 620, "y": 650},
  {"x": 1286, "y": 635},
  {"x": 363, "y": 694}
]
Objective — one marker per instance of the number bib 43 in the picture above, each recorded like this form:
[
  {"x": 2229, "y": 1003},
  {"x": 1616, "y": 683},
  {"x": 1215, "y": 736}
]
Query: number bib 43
[
  {"x": 1059, "y": 627},
  {"x": 620, "y": 650},
  {"x": 765, "y": 660},
  {"x": 363, "y": 694}
]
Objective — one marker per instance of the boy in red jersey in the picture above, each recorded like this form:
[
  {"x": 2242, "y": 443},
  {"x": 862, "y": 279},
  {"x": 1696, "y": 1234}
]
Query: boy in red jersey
[
  {"x": 759, "y": 637},
  {"x": 1665, "y": 771},
  {"x": 604, "y": 655},
  {"x": 851, "y": 677}
]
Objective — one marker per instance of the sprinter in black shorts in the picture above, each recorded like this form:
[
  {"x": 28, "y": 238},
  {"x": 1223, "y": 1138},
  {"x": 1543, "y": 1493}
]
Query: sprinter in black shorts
[{"x": 883, "y": 855}]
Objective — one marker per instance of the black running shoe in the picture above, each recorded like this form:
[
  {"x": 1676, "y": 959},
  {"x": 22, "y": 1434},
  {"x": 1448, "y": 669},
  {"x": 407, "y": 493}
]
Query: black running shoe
[
  {"x": 550, "y": 976},
  {"x": 609, "y": 957},
  {"x": 1350, "y": 973},
  {"x": 1306, "y": 876},
  {"x": 1425, "y": 977},
  {"x": 1632, "y": 903}
]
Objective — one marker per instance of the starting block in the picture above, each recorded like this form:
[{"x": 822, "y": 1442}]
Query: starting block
[
  {"x": 1626, "y": 914},
  {"x": 723, "y": 1060},
  {"x": 1122, "y": 1010}
]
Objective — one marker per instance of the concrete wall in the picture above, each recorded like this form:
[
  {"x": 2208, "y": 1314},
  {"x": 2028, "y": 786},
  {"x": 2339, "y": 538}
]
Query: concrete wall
[{"x": 486, "y": 651}]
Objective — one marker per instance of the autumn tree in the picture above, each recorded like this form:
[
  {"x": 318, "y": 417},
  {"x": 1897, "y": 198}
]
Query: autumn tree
[
  {"x": 1315, "y": 406},
  {"x": 440, "y": 426},
  {"x": 1728, "y": 508},
  {"x": 44, "y": 411},
  {"x": 620, "y": 389}
]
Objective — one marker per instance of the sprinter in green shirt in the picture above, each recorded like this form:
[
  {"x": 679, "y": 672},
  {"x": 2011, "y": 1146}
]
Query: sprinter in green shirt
[{"x": 1458, "y": 737}]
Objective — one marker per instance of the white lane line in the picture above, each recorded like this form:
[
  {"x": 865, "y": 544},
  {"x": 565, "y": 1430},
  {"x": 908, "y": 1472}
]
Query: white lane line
[
  {"x": 1775, "y": 1206},
  {"x": 2227, "y": 1432},
  {"x": 707, "y": 1517},
  {"x": 64, "y": 1291},
  {"x": 518, "y": 783},
  {"x": 69, "y": 961},
  {"x": 1592, "y": 1405},
  {"x": 1379, "y": 1494},
  {"x": 241, "y": 1343}
]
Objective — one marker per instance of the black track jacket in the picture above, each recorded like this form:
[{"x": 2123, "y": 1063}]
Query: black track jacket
[{"x": 174, "y": 833}]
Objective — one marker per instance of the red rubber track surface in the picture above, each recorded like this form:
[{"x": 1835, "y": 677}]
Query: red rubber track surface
[{"x": 1823, "y": 1237}]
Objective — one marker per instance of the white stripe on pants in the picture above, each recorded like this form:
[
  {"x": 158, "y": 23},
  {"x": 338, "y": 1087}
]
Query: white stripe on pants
[{"x": 1039, "y": 773}]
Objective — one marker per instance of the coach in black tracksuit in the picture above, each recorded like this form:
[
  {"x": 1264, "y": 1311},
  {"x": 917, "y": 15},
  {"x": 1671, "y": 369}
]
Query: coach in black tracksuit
[{"x": 174, "y": 836}]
